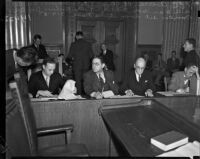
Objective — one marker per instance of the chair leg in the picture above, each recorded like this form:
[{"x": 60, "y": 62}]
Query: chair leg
[{"x": 67, "y": 136}]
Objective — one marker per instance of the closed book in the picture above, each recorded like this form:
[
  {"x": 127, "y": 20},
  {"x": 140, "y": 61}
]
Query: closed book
[{"x": 169, "y": 140}]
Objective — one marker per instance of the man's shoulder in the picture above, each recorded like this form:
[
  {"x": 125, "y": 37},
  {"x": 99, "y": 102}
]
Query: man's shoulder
[
  {"x": 56, "y": 74},
  {"x": 36, "y": 74},
  {"x": 179, "y": 73}
]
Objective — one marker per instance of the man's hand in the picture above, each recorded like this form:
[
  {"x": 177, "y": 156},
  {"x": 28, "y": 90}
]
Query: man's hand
[
  {"x": 149, "y": 93},
  {"x": 44, "y": 93},
  {"x": 96, "y": 95},
  {"x": 181, "y": 90},
  {"x": 129, "y": 92}
]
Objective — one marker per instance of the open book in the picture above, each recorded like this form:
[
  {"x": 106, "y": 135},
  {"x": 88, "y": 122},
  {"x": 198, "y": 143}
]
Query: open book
[{"x": 169, "y": 140}]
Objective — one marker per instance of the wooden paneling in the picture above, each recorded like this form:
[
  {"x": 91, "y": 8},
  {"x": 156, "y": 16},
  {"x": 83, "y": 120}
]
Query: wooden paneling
[{"x": 89, "y": 127}]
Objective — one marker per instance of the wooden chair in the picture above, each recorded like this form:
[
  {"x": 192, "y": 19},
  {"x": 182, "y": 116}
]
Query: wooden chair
[{"x": 28, "y": 127}]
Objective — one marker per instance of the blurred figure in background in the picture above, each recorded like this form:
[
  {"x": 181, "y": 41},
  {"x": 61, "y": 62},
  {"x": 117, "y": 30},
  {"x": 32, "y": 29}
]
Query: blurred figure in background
[
  {"x": 148, "y": 62},
  {"x": 159, "y": 70},
  {"x": 172, "y": 63},
  {"x": 81, "y": 53},
  {"x": 108, "y": 58},
  {"x": 191, "y": 56}
]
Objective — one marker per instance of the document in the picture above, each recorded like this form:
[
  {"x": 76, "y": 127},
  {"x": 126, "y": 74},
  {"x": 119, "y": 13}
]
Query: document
[
  {"x": 170, "y": 93},
  {"x": 125, "y": 96}
]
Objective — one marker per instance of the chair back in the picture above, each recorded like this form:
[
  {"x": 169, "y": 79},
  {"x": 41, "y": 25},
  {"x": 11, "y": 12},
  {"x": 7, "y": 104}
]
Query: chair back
[
  {"x": 24, "y": 105},
  {"x": 17, "y": 141}
]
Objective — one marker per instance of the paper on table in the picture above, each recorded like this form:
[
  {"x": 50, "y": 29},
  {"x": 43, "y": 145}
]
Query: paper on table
[
  {"x": 125, "y": 96},
  {"x": 170, "y": 93},
  {"x": 108, "y": 94},
  {"x": 187, "y": 150}
]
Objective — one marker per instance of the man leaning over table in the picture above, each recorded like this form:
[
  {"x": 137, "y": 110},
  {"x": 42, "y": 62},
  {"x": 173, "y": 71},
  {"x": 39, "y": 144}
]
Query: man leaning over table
[
  {"x": 139, "y": 81},
  {"x": 180, "y": 81}
]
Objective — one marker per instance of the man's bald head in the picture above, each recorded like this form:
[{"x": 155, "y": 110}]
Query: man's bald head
[{"x": 139, "y": 65}]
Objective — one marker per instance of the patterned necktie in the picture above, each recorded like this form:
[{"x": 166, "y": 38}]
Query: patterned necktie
[{"x": 101, "y": 81}]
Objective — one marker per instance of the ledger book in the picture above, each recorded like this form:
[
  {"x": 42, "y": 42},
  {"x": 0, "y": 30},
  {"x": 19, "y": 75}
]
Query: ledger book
[{"x": 169, "y": 140}]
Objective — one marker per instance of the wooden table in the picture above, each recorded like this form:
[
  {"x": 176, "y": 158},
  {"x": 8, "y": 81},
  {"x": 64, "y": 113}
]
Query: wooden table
[
  {"x": 135, "y": 124},
  {"x": 89, "y": 126}
]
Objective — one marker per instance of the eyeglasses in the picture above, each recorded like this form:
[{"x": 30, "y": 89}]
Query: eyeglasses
[
  {"x": 96, "y": 64},
  {"x": 138, "y": 67}
]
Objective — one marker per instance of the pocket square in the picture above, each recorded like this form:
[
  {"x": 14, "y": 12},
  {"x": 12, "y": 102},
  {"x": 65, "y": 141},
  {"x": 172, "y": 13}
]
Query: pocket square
[{"x": 146, "y": 81}]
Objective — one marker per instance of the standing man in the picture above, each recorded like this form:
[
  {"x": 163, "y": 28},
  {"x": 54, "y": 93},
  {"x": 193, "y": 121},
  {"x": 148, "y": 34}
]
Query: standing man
[
  {"x": 107, "y": 56},
  {"x": 21, "y": 60},
  {"x": 172, "y": 63},
  {"x": 191, "y": 56},
  {"x": 139, "y": 81},
  {"x": 81, "y": 53},
  {"x": 98, "y": 80},
  {"x": 46, "y": 83},
  {"x": 40, "y": 49}
]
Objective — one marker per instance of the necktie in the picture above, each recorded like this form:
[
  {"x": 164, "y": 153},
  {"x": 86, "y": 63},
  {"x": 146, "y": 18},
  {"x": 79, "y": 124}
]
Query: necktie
[
  {"x": 47, "y": 80},
  {"x": 101, "y": 81}
]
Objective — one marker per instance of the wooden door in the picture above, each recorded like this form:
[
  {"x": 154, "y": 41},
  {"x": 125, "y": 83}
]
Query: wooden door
[{"x": 108, "y": 31}]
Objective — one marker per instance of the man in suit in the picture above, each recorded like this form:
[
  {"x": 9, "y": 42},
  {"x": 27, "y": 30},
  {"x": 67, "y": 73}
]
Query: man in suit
[
  {"x": 139, "y": 81},
  {"x": 81, "y": 53},
  {"x": 180, "y": 81},
  {"x": 107, "y": 56},
  {"x": 39, "y": 48},
  {"x": 191, "y": 56},
  {"x": 21, "y": 60},
  {"x": 97, "y": 80},
  {"x": 46, "y": 82},
  {"x": 172, "y": 63}
]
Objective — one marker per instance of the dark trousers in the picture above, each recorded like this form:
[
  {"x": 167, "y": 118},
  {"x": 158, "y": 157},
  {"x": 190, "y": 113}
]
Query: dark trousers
[{"x": 78, "y": 77}]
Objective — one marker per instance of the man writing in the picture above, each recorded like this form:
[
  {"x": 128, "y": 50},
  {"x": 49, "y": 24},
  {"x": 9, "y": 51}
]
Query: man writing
[
  {"x": 97, "y": 80},
  {"x": 139, "y": 81},
  {"x": 46, "y": 82}
]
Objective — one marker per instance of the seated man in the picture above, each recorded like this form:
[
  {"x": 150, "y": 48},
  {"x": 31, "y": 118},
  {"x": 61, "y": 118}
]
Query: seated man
[
  {"x": 195, "y": 83},
  {"x": 139, "y": 81},
  {"x": 97, "y": 80},
  {"x": 180, "y": 80},
  {"x": 172, "y": 63},
  {"x": 46, "y": 82}
]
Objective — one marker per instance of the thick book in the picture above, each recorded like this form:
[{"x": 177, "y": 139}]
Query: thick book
[{"x": 169, "y": 140}]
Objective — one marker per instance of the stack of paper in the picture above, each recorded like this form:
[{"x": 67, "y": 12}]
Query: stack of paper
[{"x": 188, "y": 150}]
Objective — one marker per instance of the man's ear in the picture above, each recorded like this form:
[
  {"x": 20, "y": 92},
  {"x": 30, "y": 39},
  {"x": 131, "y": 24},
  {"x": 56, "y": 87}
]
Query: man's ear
[
  {"x": 103, "y": 65},
  {"x": 134, "y": 66},
  {"x": 43, "y": 66}
]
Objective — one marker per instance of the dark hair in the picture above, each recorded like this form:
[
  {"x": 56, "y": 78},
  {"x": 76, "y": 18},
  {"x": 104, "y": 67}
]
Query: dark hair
[
  {"x": 160, "y": 54},
  {"x": 49, "y": 60},
  {"x": 98, "y": 57},
  {"x": 37, "y": 36},
  {"x": 79, "y": 33},
  {"x": 191, "y": 64},
  {"x": 192, "y": 41},
  {"x": 27, "y": 54},
  {"x": 173, "y": 51}
]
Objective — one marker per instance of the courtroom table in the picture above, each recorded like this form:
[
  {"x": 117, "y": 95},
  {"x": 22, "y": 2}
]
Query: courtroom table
[{"x": 89, "y": 127}]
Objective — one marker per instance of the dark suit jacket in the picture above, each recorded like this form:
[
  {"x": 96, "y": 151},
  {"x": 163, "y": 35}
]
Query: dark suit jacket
[
  {"x": 42, "y": 53},
  {"x": 108, "y": 59},
  {"x": 171, "y": 65},
  {"x": 138, "y": 88},
  {"x": 192, "y": 57},
  {"x": 177, "y": 81},
  {"x": 81, "y": 52},
  {"x": 37, "y": 82},
  {"x": 92, "y": 83}
]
